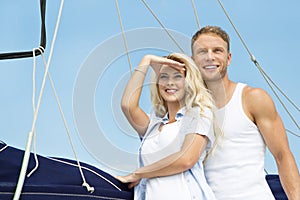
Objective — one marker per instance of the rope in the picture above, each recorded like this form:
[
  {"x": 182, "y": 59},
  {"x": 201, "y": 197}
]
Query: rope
[
  {"x": 265, "y": 76},
  {"x": 88, "y": 169},
  {"x": 85, "y": 184},
  {"x": 30, "y": 134},
  {"x": 123, "y": 35},
  {"x": 41, "y": 50},
  {"x": 161, "y": 24},
  {"x": 195, "y": 13}
]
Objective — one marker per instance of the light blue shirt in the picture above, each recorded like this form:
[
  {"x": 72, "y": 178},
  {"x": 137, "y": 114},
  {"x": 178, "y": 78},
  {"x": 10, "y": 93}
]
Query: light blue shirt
[{"x": 190, "y": 122}]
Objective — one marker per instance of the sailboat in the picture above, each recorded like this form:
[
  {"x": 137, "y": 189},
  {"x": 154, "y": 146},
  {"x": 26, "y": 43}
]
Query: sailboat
[{"x": 61, "y": 178}]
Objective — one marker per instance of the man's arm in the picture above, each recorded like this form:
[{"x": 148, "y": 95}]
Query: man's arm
[{"x": 261, "y": 109}]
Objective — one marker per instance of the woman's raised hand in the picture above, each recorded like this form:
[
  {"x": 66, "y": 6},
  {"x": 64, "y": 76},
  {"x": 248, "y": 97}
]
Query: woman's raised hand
[{"x": 156, "y": 63}]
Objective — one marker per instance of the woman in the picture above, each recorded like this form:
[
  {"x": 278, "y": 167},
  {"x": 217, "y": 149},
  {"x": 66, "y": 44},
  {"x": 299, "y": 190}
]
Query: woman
[{"x": 177, "y": 137}]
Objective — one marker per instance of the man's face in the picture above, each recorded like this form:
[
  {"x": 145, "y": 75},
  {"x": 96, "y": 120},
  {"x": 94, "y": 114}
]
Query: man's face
[{"x": 211, "y": 56}]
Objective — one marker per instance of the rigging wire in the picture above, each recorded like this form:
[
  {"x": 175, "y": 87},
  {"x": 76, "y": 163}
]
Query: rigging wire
[
  {"x": 195, "y": 13},
  {"x": 162, "y": 25},
  {"x": 291, "y": 102},
  {"x": 123, "y": 35},
  {"x": 275, "y": 93},
  {"x": 293, "y": 133},
  {"x": 265, "y": 76}
]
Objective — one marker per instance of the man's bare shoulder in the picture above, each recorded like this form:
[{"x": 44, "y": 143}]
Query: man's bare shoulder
[
  {"x": 257, "y": 100},
  {"x": 255, "y": 94}
]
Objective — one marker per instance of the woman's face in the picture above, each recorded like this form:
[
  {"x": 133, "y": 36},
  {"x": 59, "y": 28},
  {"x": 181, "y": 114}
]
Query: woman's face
[{"x": 171, "y": 84}]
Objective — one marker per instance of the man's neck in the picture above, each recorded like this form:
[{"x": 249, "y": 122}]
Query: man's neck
[{"x": 222, "y": 91}]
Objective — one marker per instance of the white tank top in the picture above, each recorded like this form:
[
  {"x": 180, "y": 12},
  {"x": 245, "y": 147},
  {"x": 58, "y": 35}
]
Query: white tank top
[{"x": 236, "y": 169}]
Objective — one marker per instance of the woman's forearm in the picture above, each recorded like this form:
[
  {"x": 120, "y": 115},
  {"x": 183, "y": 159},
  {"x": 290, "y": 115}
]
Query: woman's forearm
[
  {"x": 137, "y": 118},
  {"x": 132, "y": 93},
  {"x": 178, "y": 162}
]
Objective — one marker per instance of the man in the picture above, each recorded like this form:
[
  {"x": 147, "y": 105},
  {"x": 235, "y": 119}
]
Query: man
[{"x": 249, "y": 121}]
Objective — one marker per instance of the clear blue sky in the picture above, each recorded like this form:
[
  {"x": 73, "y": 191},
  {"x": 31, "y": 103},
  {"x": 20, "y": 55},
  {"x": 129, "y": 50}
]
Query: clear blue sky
[{"x": 89, "y": 67}]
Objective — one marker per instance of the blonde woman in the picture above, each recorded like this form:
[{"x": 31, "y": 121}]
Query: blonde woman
[{"x": 177, "y": 136}]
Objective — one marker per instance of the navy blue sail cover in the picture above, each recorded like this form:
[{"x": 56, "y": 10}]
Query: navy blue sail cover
[
  {"x": 276, "y": 187},
  {"x": 56, "y": 180}
]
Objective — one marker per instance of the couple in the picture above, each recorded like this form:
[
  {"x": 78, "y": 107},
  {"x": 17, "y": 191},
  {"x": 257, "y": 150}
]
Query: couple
[{"x": 207, "y": 136}]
